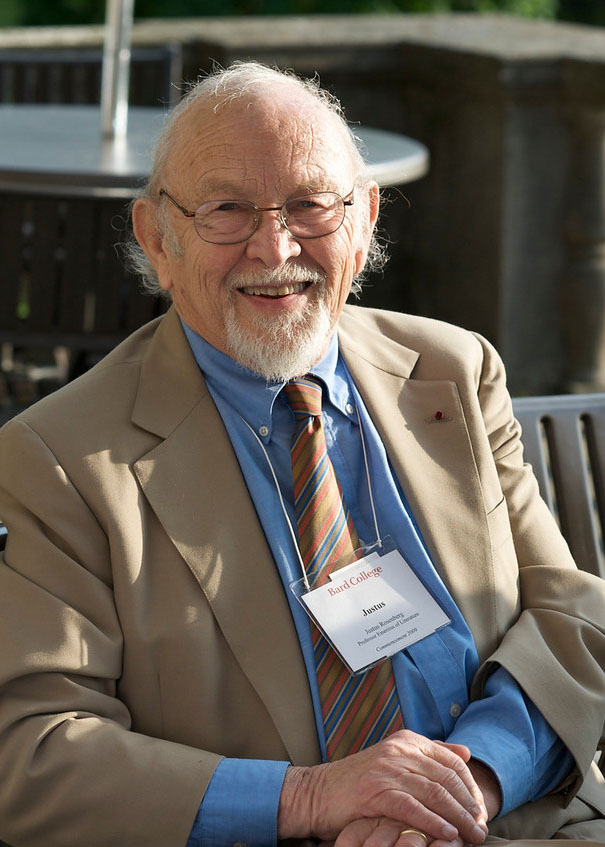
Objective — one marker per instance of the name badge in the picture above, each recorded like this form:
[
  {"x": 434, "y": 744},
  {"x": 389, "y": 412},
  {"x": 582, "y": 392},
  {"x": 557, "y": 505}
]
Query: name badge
[{"x": 373, "y": 608}]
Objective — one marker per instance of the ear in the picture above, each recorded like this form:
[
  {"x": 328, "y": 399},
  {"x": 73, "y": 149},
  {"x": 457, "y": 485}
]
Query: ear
[
  {"x": 369, "y": 217},
  {"x": 145, "y": 226}
]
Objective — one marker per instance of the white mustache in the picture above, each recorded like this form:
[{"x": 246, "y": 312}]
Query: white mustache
[{"x": 275, "y": 277}]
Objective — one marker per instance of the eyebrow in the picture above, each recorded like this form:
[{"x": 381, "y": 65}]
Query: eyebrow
[
  {"x": 218, "y": 186},
  {"x": 233, "y": 190}
]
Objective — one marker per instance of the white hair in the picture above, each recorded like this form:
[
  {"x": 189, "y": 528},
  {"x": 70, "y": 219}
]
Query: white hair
[{"x": 219, "y": 88}]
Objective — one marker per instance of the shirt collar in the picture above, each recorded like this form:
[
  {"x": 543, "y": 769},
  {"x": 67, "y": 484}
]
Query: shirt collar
[{"x": 251, "y": 396}]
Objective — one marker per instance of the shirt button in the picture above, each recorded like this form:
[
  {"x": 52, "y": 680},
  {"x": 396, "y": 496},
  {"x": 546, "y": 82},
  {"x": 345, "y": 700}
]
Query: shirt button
[
  {"x": 455, "y": 710},
  {"x": 263, "y": 430},
  {"x": 349, "y": 409}
]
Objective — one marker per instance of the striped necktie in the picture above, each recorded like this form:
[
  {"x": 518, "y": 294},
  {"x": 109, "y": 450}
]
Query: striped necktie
[{"x": 357, "y": 710}]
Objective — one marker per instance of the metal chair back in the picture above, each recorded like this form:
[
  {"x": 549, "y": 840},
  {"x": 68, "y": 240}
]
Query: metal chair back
[
  {"x": 564, "y": 441},
  {"x": 73, "y": 75},
  {"x": 62, "y": 281}
]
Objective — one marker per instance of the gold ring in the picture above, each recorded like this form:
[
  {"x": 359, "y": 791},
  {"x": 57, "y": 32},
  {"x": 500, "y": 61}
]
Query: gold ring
[{"x": 423, "y": 835}]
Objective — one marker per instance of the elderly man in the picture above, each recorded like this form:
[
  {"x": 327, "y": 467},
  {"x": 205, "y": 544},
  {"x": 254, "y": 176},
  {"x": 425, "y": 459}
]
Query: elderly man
[{"x": 262, "y": 452}]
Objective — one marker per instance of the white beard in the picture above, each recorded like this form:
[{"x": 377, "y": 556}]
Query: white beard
[{"x": 282, "y": 348}]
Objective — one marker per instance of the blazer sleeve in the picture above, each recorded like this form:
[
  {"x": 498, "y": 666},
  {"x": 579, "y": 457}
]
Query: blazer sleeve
[
  {"x": 556, "y": 648},
  {"x": 74, "y": 772}
]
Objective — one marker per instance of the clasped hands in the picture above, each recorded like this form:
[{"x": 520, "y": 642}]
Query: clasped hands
[{"x": 405, "y": 782}]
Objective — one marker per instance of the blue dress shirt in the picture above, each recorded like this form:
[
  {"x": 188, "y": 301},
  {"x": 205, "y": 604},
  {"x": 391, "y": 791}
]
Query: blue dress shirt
[{"x": 433, "y": 677}]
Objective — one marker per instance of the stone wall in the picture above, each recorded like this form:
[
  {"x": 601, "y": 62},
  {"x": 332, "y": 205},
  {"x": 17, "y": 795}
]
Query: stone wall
[{"x": 506, "y": 235}]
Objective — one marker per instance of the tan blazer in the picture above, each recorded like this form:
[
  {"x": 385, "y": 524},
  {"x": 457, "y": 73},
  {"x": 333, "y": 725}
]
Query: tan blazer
[{"x": 143, "y": 624}]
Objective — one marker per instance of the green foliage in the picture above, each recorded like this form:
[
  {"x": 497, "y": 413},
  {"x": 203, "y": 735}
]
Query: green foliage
[
  {"x": 583, "y": 11},
  {"x": 57, "y": 12},
  {"x": 10, "y": 12},
  {"x": 524, "y": 8}
]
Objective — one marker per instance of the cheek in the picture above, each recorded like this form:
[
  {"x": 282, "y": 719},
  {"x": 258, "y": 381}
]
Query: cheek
[
  {"x": 341, "y": 265},
  {"x": 198, "y": 276},
  {"x": 334, "y": 253}
]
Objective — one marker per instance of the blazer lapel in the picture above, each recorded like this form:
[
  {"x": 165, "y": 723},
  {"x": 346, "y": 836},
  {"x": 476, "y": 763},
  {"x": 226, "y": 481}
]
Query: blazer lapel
[
  {"x": 433, "y": 460},
  {"x": 193, "y": 483}
]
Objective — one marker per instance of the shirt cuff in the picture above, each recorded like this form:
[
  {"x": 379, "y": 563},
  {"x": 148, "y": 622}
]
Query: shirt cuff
[
  {"x": 505, "y": 755},
  {"x": 506, "y": 732},
  {"x": 240, "y": 805}
]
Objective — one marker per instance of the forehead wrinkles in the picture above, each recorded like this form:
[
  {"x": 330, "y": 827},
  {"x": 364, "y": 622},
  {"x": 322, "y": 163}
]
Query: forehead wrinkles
[
  {"x": 305, "y": 137},
  {"x": 263, "y": 142}
]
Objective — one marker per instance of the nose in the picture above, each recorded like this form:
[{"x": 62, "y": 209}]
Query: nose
[{"x": 271, "y": 242}]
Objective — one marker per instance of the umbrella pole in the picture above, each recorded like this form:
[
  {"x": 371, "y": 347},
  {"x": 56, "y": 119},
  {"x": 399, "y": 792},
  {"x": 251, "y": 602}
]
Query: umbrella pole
[{"x": 116, "y": 68}]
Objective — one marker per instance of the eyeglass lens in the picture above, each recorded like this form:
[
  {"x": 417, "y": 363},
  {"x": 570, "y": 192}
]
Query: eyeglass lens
[{"x": 230, "y": 221}]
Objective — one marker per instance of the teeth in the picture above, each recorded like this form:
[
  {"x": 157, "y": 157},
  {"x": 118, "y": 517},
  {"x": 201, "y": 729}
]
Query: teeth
[{"x": 281, "y": 291}]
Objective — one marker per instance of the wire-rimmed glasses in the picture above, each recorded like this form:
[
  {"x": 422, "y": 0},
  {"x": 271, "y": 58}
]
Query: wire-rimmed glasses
[{"x": 234, "y": 221}]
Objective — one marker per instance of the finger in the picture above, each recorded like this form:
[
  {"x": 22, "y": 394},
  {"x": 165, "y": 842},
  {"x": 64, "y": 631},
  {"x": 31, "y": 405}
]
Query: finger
[
  {"x": 460, "y": 750},
  {"x": 356, "y": 833},
  {"x": 438, "y": 842},
  {"x": 429, "y": 807},
  {"x": 434, "y": 759},
  {"x": 465, "y": 754},
  {"x": 470, "y": 796},
  {"x": 444, "y": 788},
  {"x": 390, "y": 833},
  {"x": 410, "y": 837}
]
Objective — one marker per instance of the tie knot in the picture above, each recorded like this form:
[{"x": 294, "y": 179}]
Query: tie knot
[{"x": 304, "y": 396}]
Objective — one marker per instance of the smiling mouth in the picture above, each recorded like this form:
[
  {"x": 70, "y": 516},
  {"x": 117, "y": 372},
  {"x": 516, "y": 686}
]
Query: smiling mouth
[{"x": 275, "y": 291}]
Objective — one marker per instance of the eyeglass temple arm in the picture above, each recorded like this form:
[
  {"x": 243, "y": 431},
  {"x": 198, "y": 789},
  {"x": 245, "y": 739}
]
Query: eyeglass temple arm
[{"x": 182, "y": 209}]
